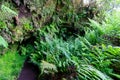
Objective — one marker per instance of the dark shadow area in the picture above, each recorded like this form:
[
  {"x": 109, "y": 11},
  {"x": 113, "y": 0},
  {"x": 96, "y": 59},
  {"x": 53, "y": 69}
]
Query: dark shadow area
[{"x": 29, "y": 71}]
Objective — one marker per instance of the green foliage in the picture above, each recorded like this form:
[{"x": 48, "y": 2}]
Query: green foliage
[
  {"x": 27, "y": 27},
  {"x": 26, "y": 50},
  {"x": 26, "y": 24},
  {"x": 6, "y": 13},
  {"x": 93, "y": 37},
  {"x": 103, "y": 57},
  {"x": 10, "y": 65},
  {"x": 111, "y": 24},
  {"x": 10, "y": 5},
  {"x": 88, "y": 72},
  {"x": 2, "y": 25},
  {"x": 88, "y": 57},
  {"x": 47, "y": 67},
  {"x": 108, "y": 29},
  {"x": 94, "y": 34},
  {"x": 3, "y": 42},
  {"x": 76, "y": 52}
]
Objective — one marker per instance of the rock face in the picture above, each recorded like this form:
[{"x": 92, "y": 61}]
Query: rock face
[{"x": 26, "y": 16}]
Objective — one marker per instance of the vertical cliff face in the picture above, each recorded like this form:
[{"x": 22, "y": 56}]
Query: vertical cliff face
[{"x": 21, "y": 18}]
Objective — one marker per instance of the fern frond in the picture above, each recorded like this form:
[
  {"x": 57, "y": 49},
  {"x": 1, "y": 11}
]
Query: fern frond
[
  {"x": 3, "y": 42},
  {"x": 47, "y": 67},
  {"x": 89, "y": 72},
  {"x": 7, "y": 13}
]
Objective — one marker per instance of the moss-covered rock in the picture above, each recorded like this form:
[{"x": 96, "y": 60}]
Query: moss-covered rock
[{"x": 24, "y": 17}]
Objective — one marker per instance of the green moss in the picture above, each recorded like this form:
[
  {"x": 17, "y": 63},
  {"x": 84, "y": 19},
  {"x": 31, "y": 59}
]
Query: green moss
[{"x": 10, "y": 65}]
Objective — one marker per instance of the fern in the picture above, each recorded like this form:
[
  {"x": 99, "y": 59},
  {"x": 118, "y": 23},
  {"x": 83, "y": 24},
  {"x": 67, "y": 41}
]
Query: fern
[
  {"x": 88, "y": 72},
  {"x": 108, "y": 29},
  {"x": 115, "y": 75},
  {"x": 3, "y": 42},
  {"x": 7, "y": 13},
  {"x": 47, "y": 68}
]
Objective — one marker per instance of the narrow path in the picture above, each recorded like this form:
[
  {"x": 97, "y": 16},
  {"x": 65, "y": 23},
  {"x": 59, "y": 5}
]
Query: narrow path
[{"x": 29, "y": 72}]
